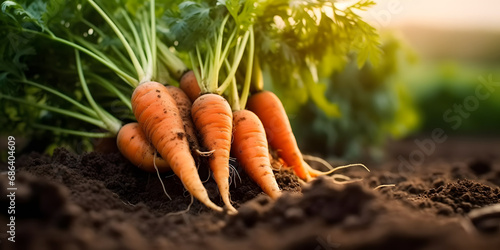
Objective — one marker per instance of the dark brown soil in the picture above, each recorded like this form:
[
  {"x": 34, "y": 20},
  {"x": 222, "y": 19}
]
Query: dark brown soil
[{"x": 100, "y": 201}]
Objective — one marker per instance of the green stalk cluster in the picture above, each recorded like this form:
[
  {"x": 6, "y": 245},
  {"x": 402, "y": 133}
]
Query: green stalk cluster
[{"x": 226, "y": 44}]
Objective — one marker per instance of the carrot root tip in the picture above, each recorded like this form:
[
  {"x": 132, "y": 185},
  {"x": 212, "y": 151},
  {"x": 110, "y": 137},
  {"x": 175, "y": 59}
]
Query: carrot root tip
[{"x": 230, "y": 210}]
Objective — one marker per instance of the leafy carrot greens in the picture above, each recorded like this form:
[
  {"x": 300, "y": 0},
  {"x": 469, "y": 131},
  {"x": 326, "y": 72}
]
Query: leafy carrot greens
[
  {"x": 35, "y": 26},
  {"x": 95, "y": 51},
  {"x": 310, "y": 37}
]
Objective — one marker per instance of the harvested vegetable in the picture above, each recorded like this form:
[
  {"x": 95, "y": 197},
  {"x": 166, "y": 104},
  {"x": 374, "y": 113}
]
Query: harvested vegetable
[
  {"x": 224, "y": 41},
  {"x": 158, "y": 115},
  {"x": 134, "y": 145},
  {"x": 142, "y": 62},
  {"x": 271, "y": 112},
  {"x": 250, "y": 148},
  {"x": 213, "y": 119}
]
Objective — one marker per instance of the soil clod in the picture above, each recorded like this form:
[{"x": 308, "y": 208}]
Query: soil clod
[{"x": 100, "y": 201}]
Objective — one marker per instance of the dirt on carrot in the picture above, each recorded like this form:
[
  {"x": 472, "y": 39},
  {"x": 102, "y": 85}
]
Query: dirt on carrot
[{"x": 97, "y": 200}]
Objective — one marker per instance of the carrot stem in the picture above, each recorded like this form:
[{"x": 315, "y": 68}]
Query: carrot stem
[
  {"x": 233, "y": 92},
  {"x": 240, "y": 49},
  {"x": 123, "y": 59},
  {"x": 112, "y": 125},
  {"x": 79, "y": 116},
  {"x": 112, "y": 88},
  {"x": 135, "y": 33},
  {"x": 228, "y": 43},
  {"x": 153, "y": 37},
  {"x": 148, "y": 74},
  {"x": 217, "y": 59},
  {"x": 126, "y": 77},
  {"x": 85, "y": 109},
  {"x": 175, "y": 66},
  {"x": 74, "y": 132},
  {"x": 94, "y": 27},
  {"x": 197, "y": 69},
  {"x": 248, "y": 75},
  {"x": 133, "y": 58}
]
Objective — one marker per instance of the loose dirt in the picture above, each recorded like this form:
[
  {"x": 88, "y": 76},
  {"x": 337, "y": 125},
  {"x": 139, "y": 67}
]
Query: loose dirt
[{"x": 100, "y": 201}]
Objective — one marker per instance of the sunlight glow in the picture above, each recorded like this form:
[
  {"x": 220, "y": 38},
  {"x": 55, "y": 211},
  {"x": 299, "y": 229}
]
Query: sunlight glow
[{"x": 456, "y": 14}]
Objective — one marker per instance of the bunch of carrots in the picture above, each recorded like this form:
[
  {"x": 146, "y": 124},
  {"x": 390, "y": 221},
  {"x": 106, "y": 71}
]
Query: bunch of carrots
[{"x": 219, "y": 109}]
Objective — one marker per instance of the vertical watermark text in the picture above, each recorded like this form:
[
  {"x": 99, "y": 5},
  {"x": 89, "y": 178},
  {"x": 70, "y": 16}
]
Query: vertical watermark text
[{"x": 11, "y": 188}]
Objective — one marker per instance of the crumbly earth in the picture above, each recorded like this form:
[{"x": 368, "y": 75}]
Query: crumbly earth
[{"x": 100, "y": 201}]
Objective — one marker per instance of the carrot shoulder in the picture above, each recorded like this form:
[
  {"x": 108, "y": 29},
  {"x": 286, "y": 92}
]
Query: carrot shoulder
[
  {"x": 250, "y": 147},
  {"x": 267, "y": 106},
  {"x": 159, "y": 117},
  {"x": 213, "y": 119},
  {"x": 189, "y": 85},
  {"x": 134, "y": 145}
]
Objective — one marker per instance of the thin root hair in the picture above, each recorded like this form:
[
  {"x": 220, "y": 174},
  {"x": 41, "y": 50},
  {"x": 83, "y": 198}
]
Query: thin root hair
[
  {"x": 183, "y": 212},
  {"x": 159, "y": 178},
  {"x": 232, "y": 170},
  {"x": 345, "y": 179},
  {"x": 346, "y": 166},
  {"x": 169, "y": 176},
  {"x": 128, "y": 203},
  {"x": 205, "y": 154},
  {"x": 186, "y": 193},
  {"x": 208, "y": 176},
  {"x": 317, "y": 159},
  {"x": 277, "y": 169},
  {"x": 383, "y": 186}
]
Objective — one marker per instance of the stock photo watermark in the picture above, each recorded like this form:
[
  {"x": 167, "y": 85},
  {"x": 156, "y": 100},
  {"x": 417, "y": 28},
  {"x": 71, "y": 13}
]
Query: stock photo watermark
[
  {"x": 11, "y": 188},
  {"x": 454, "y": 117},
  {"x": 383, "y": 17}
]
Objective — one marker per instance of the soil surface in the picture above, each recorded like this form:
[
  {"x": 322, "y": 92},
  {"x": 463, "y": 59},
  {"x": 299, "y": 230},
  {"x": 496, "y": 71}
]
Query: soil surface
[{"x": 448, "y": 199}]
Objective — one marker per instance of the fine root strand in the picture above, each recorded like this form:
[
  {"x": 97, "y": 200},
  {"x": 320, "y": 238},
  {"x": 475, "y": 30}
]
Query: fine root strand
[
  {"x": 208, "y": 176},
  {"x": 279, "y": 168},
  {"x": 182, "y": 212},
  {"x": 205, "y": 154},
  {"x": 342, "y": 179},
  {"x": 159, "y": 178},
  {"x": 128, "y": 203},
  {"x": 383, "y": 186},
  {"x": 347, "y": 166},
  {"x": 317, "y": 159},
  {"x": 236, "y": 174},
  {"x": 315, "y": 172}
]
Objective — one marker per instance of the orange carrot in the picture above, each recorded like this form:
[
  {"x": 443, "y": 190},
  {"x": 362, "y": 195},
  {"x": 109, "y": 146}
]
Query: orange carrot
[
  {"x": 159, "y": 117},
  {"x": 133, "y": 144},
  {"x": 251, "y": 149},
  {"x": 213, "y": 119},
  {"x": 184, "y": 106},
  {"x": 271, "y": 112},
  {"x": 189, "y": 85}
]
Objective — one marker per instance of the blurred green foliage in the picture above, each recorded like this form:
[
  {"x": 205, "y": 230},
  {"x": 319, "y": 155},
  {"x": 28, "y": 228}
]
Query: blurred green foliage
[
  {"x": 460, "y": 98},
  {"x": 374, "y": 104}
]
